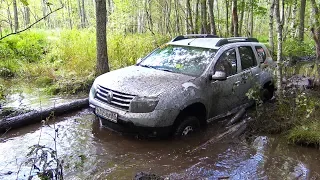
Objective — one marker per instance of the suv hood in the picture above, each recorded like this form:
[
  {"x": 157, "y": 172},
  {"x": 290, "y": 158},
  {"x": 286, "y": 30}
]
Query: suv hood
[{"x": 141, "y": 81}]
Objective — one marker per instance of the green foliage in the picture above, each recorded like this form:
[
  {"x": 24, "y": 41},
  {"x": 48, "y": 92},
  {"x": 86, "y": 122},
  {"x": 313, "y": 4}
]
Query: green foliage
[
  {"x": 308, "y": 134},
  {"x": 2, "y": 92},
  {"x": 295, "y": 114},
  {"x": 29, "y": 46},
  {"x": 293, "y": 47},
  {"x": 124, "y": 50},
  {"x": 64, "y": 61}
]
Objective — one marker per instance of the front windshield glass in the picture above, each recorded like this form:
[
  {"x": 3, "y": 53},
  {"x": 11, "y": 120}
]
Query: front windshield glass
[{"x": 180, "y": 59}]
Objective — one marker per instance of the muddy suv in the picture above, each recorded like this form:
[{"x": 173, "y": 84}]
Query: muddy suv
[{"x": 182, "y": 85}]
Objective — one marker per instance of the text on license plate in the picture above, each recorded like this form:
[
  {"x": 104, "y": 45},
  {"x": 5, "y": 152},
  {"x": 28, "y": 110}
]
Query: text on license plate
[{"x": 111, "y": 116}]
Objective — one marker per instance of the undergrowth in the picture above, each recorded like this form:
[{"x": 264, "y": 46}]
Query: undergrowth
[
  {"x": 63, "y": 61},
  {"x": 295, "y": 116}
]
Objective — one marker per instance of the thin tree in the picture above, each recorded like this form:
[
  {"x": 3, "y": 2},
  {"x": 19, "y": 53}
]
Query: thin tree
[
  {"x": 271, "y": 12},
  {"x": 235, "y": 22},
  {"x": 102, "y": 65},
  {"x": 213, "y": 29},
  {"x": 315, "y": 30},
  {"x": 15, "y": 15},
  {"x": 280, "y": 22},
  {"x": 301, "y": 22}
]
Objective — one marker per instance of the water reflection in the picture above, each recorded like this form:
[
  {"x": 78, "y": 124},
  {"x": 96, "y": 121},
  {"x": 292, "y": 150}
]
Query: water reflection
[{"x": 90, "y": 152}]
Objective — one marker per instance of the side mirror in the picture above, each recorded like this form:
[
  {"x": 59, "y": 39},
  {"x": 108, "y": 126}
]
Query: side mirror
[
  {"x": 139, "y": 60},
  {"x": 219, "y": 75}
]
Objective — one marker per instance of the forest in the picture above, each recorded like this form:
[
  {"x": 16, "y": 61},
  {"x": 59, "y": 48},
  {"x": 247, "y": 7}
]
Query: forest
[{"x": 52, "y": 45}]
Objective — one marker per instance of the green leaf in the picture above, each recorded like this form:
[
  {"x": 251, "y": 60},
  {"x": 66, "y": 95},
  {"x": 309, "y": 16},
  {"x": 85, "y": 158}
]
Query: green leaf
[{"x": 24, "y": 2}]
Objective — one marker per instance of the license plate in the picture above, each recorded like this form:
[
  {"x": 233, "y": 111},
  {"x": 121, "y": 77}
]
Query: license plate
[{"x": 111, "y": 116}]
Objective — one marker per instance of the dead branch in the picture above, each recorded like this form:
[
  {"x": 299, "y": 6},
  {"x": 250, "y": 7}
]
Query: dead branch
[
  {"x": 30, "y": 26},
  {"x": 232, "y": 132}
]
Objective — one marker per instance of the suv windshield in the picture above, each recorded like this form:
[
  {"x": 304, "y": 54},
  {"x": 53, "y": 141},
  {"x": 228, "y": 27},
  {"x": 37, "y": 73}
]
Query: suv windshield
[{"x": 180, "y": 59}]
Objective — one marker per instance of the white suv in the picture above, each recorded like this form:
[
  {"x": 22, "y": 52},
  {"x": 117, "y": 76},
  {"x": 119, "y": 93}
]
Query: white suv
[{"x": 182, "y": 85}]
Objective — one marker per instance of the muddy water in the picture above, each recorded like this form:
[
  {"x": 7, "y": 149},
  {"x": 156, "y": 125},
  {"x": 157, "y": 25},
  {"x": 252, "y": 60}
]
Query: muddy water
[
  {"x": 90, "y": 152},
  {"x": 25, "y": 96}
]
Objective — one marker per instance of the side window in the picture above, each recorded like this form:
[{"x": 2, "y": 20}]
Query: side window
[
  {"x": 227, "y": 62},
  {"x": 261, "y": 53},
  {"x": 247, "y": 57}
]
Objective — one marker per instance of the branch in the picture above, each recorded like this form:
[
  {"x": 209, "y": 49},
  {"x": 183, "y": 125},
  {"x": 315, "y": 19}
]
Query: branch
[{"x": 30, "y": 26}]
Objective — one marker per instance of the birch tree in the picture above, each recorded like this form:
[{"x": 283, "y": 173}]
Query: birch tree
[{"x": 279, "y": 28}]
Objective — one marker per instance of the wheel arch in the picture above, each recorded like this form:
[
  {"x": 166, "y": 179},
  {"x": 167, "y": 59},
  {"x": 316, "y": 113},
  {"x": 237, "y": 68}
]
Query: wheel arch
[{"x": 196, "y": 109}]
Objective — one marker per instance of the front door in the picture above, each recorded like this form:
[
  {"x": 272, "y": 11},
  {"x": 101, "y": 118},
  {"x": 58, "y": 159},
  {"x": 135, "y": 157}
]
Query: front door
[{"x": 225, "y": 94}]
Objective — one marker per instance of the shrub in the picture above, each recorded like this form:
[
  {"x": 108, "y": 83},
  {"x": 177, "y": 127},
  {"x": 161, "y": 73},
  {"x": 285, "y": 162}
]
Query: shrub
[{"x": 293, "y": 47}]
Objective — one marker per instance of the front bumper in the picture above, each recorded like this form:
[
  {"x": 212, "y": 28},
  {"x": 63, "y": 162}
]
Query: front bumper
[{"x": 155, "y": 123}]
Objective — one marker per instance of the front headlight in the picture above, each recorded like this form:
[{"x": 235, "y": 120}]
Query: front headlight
[
  {"x": 143, "y": 104},
  {"x": 93, "y": 91}
]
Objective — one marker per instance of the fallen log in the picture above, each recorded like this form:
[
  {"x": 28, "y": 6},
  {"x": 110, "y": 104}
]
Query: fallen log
[
  {"x": 236, "y": 118},
  {"x": 37, "y": 116},
  {"x": 232, "y": 132}
]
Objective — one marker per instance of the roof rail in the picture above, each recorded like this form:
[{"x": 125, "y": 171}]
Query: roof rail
[
  {"x": 235, "y": 39},
  {"x": 188, "y": 36}
]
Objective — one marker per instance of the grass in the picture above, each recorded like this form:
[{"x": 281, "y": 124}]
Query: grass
[
  {"x": 307, "y": 134},
  {"x": 63, "y": 61}
]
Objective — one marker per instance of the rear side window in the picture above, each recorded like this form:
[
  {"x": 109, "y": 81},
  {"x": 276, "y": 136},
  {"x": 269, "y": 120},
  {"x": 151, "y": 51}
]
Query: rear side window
[
  {"x": 261, "y": 53},
  {"x": 247, "y": 57}
]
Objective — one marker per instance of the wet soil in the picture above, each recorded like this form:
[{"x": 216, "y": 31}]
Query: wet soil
[{"x": 91, "y": 152}]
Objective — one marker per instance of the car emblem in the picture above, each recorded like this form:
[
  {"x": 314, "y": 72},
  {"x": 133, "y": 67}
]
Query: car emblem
[{"x": 109, "y": 96}]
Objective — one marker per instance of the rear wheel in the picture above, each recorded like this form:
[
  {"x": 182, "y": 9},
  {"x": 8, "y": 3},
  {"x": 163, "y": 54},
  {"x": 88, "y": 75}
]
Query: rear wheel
[
  {"x": 188, "y": 125},
  {"x": 267, "y": 93}
]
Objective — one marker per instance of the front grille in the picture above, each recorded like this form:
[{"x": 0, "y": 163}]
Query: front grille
[{"x": 114, "y": 98}]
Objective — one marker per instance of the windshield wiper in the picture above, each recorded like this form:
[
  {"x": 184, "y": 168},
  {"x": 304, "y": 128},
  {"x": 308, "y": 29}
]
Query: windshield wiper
[
  {"x": 164, "y": 69},
  {"x": 147, "y": 66}
]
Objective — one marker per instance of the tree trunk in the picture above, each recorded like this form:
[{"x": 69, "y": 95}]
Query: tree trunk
[
  {"x": 37, "y": 116},
  {"x": 235, "y": 22},
  {"x": 69, "y": 13},
  {"x": 293, "y": 24},
  {"x": 176, "y": 7},
  {"x": 102, "y": 65},
  {"x": 227, "y": 18},
  {"x": 280, "y": 22},
  {"x": 251, "y": 20},
  {"x": 204, "y": 29},
  {"x": 301, "y": 20},
  {"x": 10, "y": 19},
  {"x": 83, "y": 14},
  {"x": 15, "y": 15},
  {"x": 148, "y": 14},
  {"x": 271, "y": 11},
  {"x": 243, "y": 3},
  {"x": 197, "y": 17},
  {"x": 213, "y": 29},
  {"x": 189, "y": 21},
  {"x": 316, "y": 36},
  {"x": 26, "y": 16}
]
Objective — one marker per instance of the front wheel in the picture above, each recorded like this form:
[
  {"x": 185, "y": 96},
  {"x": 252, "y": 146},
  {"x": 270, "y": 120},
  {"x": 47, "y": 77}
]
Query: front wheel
[{"x": 188, "y": 125}]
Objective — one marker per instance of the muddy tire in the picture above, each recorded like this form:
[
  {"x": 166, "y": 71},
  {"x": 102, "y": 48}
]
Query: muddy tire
[
  {"x": 267, "y": 93},
  {"x": 188, "y": 125}
]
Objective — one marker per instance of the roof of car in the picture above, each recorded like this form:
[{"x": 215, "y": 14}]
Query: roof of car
[
  {"x": 198, "y": 42},
  {"x": 208, "y": 41}
]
